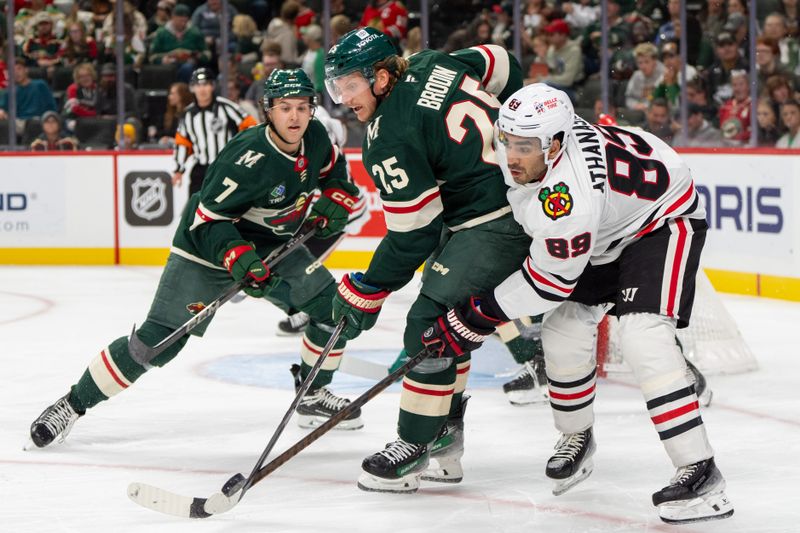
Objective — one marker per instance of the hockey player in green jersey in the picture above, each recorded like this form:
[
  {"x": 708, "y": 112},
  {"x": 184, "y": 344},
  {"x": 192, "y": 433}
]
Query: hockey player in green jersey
[
  {"x": 256, "y": 195},
  {"x": 428, "y": 147}
]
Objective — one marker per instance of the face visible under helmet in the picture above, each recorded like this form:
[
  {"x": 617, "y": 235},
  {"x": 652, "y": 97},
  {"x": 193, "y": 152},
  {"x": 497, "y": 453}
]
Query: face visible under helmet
[
  {"x": 357, "y": 51},
  {"x": 538, "y": 112}
]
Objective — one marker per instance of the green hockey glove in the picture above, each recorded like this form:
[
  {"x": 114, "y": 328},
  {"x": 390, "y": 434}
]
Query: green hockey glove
[
  {"x": 334, "y": 208},
  {"x": 244, "y": 264},
  {"x": 359, "y": 303}
]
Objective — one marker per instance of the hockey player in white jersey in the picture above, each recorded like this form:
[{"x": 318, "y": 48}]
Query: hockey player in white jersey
[{"x": 617, "y": 227}]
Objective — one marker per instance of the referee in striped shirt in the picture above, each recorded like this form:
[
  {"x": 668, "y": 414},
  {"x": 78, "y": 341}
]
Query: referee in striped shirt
[{"x": 205, "y": 128}]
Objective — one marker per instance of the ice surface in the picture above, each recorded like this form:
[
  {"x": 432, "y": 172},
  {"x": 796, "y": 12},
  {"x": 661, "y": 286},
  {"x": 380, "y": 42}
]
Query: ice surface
[{"x": 207, "y": 415}]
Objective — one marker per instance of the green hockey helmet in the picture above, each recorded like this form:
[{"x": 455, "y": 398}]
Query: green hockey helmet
[
  {"x": 357, "y": 51},
  {"x": 288, "y": 83}
]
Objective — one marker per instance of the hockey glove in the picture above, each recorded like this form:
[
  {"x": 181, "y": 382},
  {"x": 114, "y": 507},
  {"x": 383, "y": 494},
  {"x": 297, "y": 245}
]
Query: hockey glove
[
  {"x": 244, "y": 264},
  {"x": 463, "y": 329},
  {"x": 359, "y": 303},
  {"x": 334, "y": 208}
]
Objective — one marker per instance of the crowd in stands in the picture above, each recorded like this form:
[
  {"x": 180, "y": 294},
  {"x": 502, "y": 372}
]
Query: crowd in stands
[{"x": 66, "y": 79}]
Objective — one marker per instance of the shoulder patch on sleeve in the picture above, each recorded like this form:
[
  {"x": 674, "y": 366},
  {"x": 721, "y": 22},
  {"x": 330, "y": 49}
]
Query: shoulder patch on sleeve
[{"x": 556, "y": 203}]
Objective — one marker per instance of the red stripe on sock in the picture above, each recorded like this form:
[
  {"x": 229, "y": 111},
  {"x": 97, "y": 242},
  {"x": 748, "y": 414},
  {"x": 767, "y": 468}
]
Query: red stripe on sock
[
  {"x": 111, "y": 370},
  {"x": 428, "y": 392},
  {"x": 669, "y": 415},
  {"x": 573, "y": 396}
]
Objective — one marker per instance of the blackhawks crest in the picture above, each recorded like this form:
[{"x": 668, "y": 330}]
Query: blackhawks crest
[{"x": 556, "y": 203}]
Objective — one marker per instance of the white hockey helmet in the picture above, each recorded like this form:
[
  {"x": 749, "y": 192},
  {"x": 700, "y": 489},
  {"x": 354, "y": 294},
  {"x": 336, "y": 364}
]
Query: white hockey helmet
[{"x": 535, "y": 111}]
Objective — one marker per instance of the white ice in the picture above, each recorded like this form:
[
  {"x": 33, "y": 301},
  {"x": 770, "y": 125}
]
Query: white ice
[{"x": 208, "y": 414}]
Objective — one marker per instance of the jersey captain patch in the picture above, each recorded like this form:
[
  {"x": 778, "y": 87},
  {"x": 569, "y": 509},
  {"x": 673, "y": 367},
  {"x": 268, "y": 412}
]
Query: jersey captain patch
[{"x": 556, "y": 203}]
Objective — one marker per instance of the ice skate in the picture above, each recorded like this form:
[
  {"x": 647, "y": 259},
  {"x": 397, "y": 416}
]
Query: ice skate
[
  {"x": 572, "y": 462},
  {"x": 319, "y": 404},
  {"x": 55, "y": 422},
  {"x": 397, "y": 468},
  {"x": 293, "y": 325},
  {"x": 696, "y": 493},
  {"x": 448, "y": 448},
  {"x": 529, "y": 386}
]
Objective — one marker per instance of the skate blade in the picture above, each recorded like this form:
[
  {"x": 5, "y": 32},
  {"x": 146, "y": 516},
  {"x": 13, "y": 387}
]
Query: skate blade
[
  {"x": 312, "y": 422},
  {"x": 29, "y": 445},
  {"x": 707, "y": 507},
  {"x": 449, "y": 471},
  {"x": 563, "y": 485},
  {"x": 404, "y": 485},
  {"x": 528, "y": 397}
]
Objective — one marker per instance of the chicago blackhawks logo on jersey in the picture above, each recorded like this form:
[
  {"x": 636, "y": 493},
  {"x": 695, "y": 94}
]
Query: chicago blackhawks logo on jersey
[{"x": 556, "y": 203}]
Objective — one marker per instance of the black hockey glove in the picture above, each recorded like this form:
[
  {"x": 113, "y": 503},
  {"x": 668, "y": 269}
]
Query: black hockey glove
[{"x": 462, "y": 330}]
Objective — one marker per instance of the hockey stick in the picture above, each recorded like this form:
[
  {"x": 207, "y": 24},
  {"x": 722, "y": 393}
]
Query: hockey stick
[
  {"x": 144, "y": 353},
  {"x": 187, "y": 507}
]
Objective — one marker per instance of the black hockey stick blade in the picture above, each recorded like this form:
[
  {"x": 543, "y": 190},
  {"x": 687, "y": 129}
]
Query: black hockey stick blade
[{"x": 187, "y": 507}]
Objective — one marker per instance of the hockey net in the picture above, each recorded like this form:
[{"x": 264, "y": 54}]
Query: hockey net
[{"x": 712, "y": 341}]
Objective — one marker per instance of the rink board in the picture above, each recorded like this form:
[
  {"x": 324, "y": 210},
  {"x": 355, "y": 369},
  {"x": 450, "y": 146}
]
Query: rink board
[{"x": 105, "y": 208}]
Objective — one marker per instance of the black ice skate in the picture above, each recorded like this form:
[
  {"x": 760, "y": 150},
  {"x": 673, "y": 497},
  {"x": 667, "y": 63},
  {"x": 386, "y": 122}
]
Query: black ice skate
[
  {"x": 293, "y": 325},
  {"x": 319, "y": 404},
  {"x": 55, "y": 422},
  {"x": 396, "y": 468},
  {"x": 572, "y": 462},
  {"x": 529, "y": 385},
  {"x": 696, "y": 493},
  {"x": 448, "y": 448}
]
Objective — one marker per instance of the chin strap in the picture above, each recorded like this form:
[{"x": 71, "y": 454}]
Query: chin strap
[{"x": 275, "y": 131}]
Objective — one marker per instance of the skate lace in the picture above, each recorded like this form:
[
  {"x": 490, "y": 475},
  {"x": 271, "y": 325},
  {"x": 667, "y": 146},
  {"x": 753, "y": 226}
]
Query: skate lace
[
  {"x": 526, "y": 373},
  {"x": 60, "y": 419},
  {"x": 298, "y": 319},
  {"x": 332, "y": 401},
  {"x": 569, "y": 446},
  {"x": 398, "y": 451},
  {"x": 684, "y": 474}
]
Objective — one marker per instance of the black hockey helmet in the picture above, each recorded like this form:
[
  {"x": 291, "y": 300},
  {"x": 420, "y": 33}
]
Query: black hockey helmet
[{"x": 202, "y": 75}]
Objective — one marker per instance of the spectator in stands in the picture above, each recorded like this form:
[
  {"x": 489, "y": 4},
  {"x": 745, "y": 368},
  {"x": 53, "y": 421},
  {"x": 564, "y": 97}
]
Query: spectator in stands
[
  {"x": 100, "y": 10},
  {"x": 719, "y": 75},
  {"x": 713, "y": 17},
  {"x": 736, "y": 25},
  {"x": 534, "y": 15},
  {"x": 235, "y": 96},
  {"x": 775, "y": 28},
  {"x": 130, "y": 139},
  {"x": 34, "y": 97},
  {"x": 313, "y": 60},
  {"x": 42, "y": 49},
  {"x": 248, "y": 39},
  {"x": 600, "y": 115},
  {"x": 578, "y": 15},
  {"x": 667, "y": 30},
  {"x": 133, "y": 46},
  {"x": 779, "y": 90},
  {"x": 790, "y": 115},
  {"x": 133, "y": 20},
  {"x": 282, "y": 30},
  {"x": 639, "y": 91},
  {"x": 479, "y": 31},
  {"x": 305, "y": 17},
  {"x": 790, "y": 9},
  {"x": 341, "y": 24},
  {"x": 619, "y": 35},
  {"x": 81, "y": 96},
  {"x": 413, "y": 42},
  {"x": 564, "y": 58},
  {"x": 3, "y": 66},
  {"x": 389, "y": 16},
  {"x": 767, "y": 61},
  {"x": 77, "y": 47},
  {"x": 503, "y": 30},
  {"x": 178, "y": 43},
  {"x": 657, "y": 120},
  {"x": 178, "y": 99},
  {"x": 107, "y": 93},
  {"x": 52, "y": 137},
  {"x": 768, "y": 128},
  {"x": 159, "y": 19},
  {"x": 207, "y": 18},
  {"x": 737, "y": 6},
  {"x": 669, "y": 87},
  {"x": 270, "y": 60},
  {"x": 700, "y": 133},
  {"x": 696, "y": 94},
  {"x": 734, "y": 115}
]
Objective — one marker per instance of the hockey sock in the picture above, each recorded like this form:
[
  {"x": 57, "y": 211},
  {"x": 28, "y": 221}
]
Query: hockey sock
[
  {"x": 314, "y": 340},
  {"x": 114, "y": 370},
  {"x": 425, "y": 402},
  {"x": 519, "y": 338},
  {"x": 462, "y": 372}
]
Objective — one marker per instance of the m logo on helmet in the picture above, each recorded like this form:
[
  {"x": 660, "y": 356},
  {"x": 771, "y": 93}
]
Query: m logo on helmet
[{"x": 556, "y": 203}]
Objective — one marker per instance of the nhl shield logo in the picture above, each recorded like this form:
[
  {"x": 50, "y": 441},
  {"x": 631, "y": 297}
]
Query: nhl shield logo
[{"x": 148, "y": 199}]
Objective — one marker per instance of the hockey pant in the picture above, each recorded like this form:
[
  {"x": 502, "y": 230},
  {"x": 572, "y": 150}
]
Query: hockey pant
[
  {"x": 648, "y": 346},
  {"x": 433, "y": 389},
  {"x": 186, "y": 287}
]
